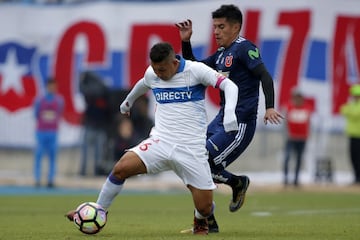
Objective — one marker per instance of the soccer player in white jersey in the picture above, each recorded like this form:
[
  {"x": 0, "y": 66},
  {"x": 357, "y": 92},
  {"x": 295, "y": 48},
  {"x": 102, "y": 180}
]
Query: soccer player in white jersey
[{"x": 177, "y": 141}]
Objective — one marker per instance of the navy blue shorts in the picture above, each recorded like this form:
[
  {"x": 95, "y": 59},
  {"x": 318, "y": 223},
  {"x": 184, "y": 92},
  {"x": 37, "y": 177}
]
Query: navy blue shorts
[{"x": 223, "y": 147}]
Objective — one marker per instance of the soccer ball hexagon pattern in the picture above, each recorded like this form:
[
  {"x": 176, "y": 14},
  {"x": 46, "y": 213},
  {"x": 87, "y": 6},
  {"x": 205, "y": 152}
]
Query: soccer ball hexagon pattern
[{"x": 90, "y": 217}]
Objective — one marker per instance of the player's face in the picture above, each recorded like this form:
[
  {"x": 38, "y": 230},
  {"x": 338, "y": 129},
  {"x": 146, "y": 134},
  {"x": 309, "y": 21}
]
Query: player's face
[
  {"x": 166, "y": 69},
  {"x": 225, "y": 32},
  {"x": 52, "y": 87}
]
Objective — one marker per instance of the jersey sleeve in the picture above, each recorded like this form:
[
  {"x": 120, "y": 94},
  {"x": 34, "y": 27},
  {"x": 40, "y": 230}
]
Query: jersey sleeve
[
  {"x": 208, "y": 76},
  {"x": 249, "y": 54},
  {"x": 149, "y": 77}
]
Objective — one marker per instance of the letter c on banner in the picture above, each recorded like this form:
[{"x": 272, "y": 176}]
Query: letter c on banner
[{"x": 65, "y": 62}]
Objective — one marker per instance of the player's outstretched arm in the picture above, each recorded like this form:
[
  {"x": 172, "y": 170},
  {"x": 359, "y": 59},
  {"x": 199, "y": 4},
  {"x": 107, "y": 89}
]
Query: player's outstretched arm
[
  {"x": 185, "y": 30},
  {"x": 138, "y": 90},
  {"x": 271, "y": 115}
]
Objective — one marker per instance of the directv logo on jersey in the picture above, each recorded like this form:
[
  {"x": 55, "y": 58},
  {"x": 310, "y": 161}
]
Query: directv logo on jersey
[
  {"x": 184, "y": 94},
  {"x": 171, "y": 96}
]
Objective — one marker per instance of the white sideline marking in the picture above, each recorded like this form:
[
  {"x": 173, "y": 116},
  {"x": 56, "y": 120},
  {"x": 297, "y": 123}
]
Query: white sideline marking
[
  {"x": 323, "y": 211},
  {"x": 307, "y": 212},
  {"x": 261, "y": 214}
]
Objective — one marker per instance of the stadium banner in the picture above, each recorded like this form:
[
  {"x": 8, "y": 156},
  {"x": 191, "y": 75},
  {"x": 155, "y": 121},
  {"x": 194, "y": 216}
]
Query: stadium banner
[{"x": 312, "y": 44}]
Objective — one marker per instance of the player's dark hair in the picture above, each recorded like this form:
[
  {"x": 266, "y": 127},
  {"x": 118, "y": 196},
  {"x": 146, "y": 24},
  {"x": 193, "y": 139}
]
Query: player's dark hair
[
  {"x": 230, "y": 12},
  {"x": 50, "y": 81},
  {"x": 160, "y": 51}
]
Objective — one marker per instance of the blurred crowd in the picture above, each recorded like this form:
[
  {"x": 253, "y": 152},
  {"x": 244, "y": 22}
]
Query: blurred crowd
[
  {"x": 77, "y": 1},
  {"x": 106, "y": 132}
]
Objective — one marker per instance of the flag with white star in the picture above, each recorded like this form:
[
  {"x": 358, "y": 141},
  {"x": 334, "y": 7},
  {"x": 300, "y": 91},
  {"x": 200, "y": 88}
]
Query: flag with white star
[{"x": 17, "y": 83}]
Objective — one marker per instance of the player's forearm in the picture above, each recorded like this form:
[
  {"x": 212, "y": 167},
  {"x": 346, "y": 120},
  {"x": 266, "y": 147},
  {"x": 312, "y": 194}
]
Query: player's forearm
[
  {"x": 231, "y": 95},
  {"x": 267, "y": 85},
  {"x": 268, "y": 89},
  {"x": 138, "y": 90},
  {"x": 187, "y": 50}
]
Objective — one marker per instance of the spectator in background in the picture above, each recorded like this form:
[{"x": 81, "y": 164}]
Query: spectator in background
[
  {"x": 140, "y": 118},
  {"x": 351, "y": 112},
  {"x": 125, "y": 137},
  {"x": 298, "y": 115},
  {"x": 48, "y": 112},
  {"x": 97, "y": 121}
]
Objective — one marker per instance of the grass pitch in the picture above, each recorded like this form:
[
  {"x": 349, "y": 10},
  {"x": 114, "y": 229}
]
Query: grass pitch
[{"x": 282, "y": 215}]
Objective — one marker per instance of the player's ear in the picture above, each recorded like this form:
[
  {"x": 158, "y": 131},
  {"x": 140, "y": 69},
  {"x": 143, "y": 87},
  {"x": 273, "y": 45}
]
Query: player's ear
[{"x": 238, "y": 27}]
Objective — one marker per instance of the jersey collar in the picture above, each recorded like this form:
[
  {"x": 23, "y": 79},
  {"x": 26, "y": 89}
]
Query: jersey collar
[{"x": 181, "y": 64}]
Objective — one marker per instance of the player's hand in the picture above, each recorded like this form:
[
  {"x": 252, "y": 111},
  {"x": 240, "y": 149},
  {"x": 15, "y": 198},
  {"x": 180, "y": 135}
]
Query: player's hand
[
  {"x": 272, "y": 116},
  {"x": 230, "y": 122},
  {"x": 125, "y": 107},
  {"x": 185, "y": 29}
]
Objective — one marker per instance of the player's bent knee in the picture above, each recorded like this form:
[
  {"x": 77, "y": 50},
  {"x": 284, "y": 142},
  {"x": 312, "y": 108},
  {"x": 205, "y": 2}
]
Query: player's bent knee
[
  {"x": 129, "y": 165},
  {"x": 118, "y": 173},
  {"x": 120, "y": 170}
]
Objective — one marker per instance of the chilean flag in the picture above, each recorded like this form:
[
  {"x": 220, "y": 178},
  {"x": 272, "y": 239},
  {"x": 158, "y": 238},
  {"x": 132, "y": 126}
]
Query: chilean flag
[{"x": 17, "y": 83}]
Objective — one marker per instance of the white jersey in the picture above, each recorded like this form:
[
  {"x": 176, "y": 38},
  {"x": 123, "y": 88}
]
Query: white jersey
[{"x": 180, "y": 114}]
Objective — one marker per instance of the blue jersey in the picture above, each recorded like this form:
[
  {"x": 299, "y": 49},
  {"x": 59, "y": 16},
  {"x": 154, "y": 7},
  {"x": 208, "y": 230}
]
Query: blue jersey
[
  {"x": 48, "y": 111},
  {"x": 236, "y": 63}
]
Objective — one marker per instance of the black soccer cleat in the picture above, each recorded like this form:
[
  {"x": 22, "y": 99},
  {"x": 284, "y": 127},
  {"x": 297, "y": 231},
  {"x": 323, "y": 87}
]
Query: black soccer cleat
[
  {"x": 213, "y": 226},
  {"x": 239, "y": 193}
]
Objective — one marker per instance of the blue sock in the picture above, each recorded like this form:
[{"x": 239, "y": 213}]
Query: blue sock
[{"x": 226, "y": 178}]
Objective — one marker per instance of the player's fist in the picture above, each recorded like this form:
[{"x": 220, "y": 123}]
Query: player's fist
[
  {"x": 230, "y": 122},
  {"x": 125, "y": 107},
  {"x": 185, "y": 29}
]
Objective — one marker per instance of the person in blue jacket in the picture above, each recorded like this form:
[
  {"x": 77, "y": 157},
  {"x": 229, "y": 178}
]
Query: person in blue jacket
[{"x": 48, "y": 112}]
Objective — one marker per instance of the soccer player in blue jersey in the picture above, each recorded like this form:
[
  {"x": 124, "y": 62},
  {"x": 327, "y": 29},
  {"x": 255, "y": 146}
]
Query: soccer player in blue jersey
[
  {"x": 177, "y": 141},
  {"x": 240, "y": 60}
]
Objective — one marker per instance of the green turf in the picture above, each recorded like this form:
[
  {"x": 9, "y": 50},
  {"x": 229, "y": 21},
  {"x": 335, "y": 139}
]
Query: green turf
[{"x": 284, "y": 215}]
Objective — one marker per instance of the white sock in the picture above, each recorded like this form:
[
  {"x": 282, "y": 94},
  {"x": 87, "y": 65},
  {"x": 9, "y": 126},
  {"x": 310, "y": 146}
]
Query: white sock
[
  {"x": 108, "y": 192},
  {"x": 198, "y": 215}
]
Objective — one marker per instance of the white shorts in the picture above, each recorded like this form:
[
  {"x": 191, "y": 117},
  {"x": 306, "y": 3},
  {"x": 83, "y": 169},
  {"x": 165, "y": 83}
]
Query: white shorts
[{"x": 188, "y": 162}]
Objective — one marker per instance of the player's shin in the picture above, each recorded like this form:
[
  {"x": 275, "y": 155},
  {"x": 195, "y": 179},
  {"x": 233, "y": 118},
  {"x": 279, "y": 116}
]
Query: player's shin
[{"x": 109, "y": 191}]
